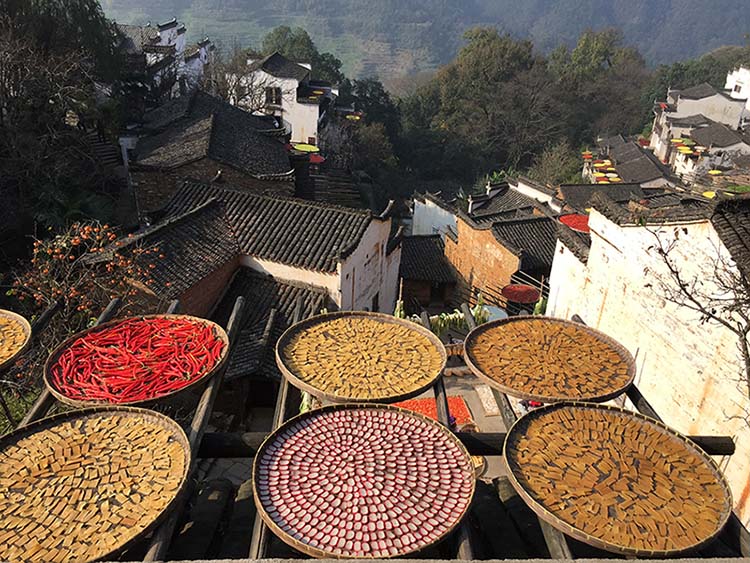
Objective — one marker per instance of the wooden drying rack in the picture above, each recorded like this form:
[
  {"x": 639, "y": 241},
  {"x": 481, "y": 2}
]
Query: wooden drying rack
[{"x": 734, "y": 538}]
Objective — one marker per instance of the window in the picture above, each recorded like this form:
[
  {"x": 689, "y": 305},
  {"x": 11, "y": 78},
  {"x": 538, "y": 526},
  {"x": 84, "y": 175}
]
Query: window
[
  {"x": 311, "y": 140},
  {"x": 273, "y": 96},
  {"x": 738, "y": 87}
]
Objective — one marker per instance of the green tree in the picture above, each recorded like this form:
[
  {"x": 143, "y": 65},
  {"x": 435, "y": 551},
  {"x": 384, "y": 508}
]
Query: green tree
[
  {"x": 373, "y": 99},
  {"x": 557, "y": 164},
  {"x": 65, "y": 27},
  {"x": 296, "y": 44}
]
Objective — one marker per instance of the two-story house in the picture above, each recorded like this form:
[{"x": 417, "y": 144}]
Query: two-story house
[{"x": 300, "y": 103}]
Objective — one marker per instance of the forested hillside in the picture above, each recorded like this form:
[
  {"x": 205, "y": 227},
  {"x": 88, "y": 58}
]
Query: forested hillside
[{"x": 396, "y": 37}]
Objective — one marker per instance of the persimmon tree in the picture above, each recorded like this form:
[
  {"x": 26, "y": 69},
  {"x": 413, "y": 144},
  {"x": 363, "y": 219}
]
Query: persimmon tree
[{"x": 83, "y": 269}]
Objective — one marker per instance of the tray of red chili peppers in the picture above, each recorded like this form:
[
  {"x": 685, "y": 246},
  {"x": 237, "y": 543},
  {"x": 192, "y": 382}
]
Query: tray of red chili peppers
[{"x": 135, "y": 360}]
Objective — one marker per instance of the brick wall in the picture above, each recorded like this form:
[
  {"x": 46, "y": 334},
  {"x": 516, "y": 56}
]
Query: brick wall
[
  {"x": 200, "y": 299},
  {"x": 686, "y": 369},
  {"x": 479, "y": 258},
  {"x": 155, "y": 187}
]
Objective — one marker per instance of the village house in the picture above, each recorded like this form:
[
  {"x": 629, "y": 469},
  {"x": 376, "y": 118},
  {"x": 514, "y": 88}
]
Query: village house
[
  {"x": 298, "y": 102},
  {"x": 697, "y": 107},
  {"x": 719, "y": 146},
  {"x": 161, "y": 52},
  {"x": 427, "y": 277},
  {"x": 691, "y": 371},
  {"x": 344, "y": 251},
  {"x": 738, "y": 84},
  {"x": 205, "y": 138},
  {"x": 631, "y": 164}
]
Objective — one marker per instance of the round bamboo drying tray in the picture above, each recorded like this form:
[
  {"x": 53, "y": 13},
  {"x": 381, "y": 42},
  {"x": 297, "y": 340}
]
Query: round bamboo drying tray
[
  {"x": 15, "y": 344},
  {"x": 616, "y": 480},
  {"x": 360, "y": 357},
  {"x": 86, "y": 485},
  {"x": 362, "y": 481},
  {"x": 548, "y": 360},
  {"x": 195, "y": 380}
]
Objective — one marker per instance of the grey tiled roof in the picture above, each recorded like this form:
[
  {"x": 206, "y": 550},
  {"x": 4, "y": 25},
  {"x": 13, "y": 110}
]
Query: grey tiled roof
[
  {"x": 731, "y": 219},
  {"x": 639, "y": 212},
  {"x": 254, "y": 354},
  {"x": 278, "y": 65},
  {"x": 532, "y": 238},
  {"x": 507, "y": 199},
  {"x": 423, "y": 259},
  {"x": 690, "y": 121},
  {"x": 185, "y": 141},
  {"x": 299, "y": 233},
  {"x": 208, "y": 126},
  {"x": 716, "y": 134},
  {"x": 193, "y": 245},
  {"x": 578, "y": 196},
  {"x": 698, "y": 92},
  {"x": 135, "y": 37},
  {"x": 639, "y": 170},
  {"x": 578, "y": 243}
]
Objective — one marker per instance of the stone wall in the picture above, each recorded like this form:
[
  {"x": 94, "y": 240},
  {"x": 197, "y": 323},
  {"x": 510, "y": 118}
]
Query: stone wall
[
  {"x": 479, "y": 258},
  {"x": 155, "y": 187},
  {"x": 689, "y": 371}
]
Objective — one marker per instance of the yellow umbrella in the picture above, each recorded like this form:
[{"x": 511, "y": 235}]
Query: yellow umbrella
[
  {"x": 715, "y": 172},
  {"x": 303, "y": 147},
  {"x": 615, "y": 180},
  {"x": 606, "y": 182},
  {"x": 611, "y": 169},
  {"x": 599, "y": 174},
  {"x": 678, "y": 141},
  {"x": 600, "y": 165},
  {"x": 318, "y": 92},
  {"x": 709, "y": 195}
]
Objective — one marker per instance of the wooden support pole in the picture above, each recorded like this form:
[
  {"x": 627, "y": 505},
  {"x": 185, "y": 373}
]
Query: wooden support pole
[
  {"x": 160, "y": 541},
  {"x": 261, "y": 533},
  {"x": 556, "y": 543},
  {"x": 45, "y": 400}
]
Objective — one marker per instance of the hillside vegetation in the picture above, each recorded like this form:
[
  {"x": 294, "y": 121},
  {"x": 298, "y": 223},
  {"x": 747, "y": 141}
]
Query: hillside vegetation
[{"x": 390, "y": 38}]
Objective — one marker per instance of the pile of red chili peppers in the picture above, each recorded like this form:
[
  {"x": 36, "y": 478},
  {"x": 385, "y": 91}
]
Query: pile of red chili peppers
[{"x": 137, "y": 359}]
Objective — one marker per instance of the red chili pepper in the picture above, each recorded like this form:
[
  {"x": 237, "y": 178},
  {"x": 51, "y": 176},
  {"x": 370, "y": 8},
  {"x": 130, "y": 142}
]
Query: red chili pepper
[{"x": 137, "y": 359}]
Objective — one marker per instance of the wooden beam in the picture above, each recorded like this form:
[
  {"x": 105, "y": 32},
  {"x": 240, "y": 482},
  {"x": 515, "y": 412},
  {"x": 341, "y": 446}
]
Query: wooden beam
[
  {"x": 556, "y": 543},
  {"x": 162, "y": 536},
  {"x": 261, "y": 533}
]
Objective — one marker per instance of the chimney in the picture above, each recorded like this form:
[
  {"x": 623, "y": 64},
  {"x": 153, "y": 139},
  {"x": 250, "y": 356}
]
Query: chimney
[
  {"x": 488, "y": 188},
  {"x": 471, "y": 204}
]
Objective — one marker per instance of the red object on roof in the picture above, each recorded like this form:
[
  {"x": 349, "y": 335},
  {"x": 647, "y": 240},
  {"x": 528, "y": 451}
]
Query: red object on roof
[
  {"x": 520, "y": 293},
  {"x": 288, "y": 146},
  {"x": 577, "y": 222},
  {"x": 316, "y": 159}
]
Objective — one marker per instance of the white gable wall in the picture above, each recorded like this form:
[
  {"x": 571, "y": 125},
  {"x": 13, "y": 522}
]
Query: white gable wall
[
  {"x": 687, "y": 370},
  {"x": 716, "y": 107},
  {"x": 431, "y": 219}
]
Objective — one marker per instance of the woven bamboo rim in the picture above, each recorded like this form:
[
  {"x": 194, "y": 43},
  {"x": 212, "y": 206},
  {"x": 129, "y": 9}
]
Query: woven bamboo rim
[
  {"x": 27, "y": 330},
  {"x": 285, "y": 341},
  {"x": 156, "y": 418},
  {"x": 509, "y": 457},
  {"x": 52, "y": 360},
  {"x": 515, "y": 391},
  {"x": 323, "y": 554}
]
